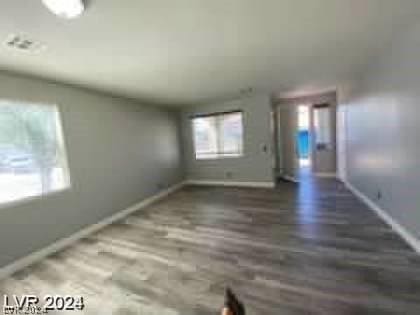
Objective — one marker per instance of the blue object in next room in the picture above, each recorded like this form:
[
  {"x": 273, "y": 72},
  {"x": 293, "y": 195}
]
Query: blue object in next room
[{"x": 303, "y": 144}]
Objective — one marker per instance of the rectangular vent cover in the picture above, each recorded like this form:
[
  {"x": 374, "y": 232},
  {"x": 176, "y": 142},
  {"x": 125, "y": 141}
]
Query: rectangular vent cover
[{"x": 23, "y": 43}]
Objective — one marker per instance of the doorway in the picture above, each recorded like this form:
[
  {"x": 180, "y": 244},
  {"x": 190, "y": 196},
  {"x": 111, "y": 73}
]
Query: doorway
[{"x": 303, "y": 139}]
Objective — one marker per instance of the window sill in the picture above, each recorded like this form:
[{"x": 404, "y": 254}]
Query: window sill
[
  {"x": 25, "y": 200},
  {"x": 226, "y": 157}
]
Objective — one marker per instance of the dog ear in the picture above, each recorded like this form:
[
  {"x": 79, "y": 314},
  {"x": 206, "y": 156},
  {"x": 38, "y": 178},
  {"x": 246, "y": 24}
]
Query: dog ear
[{"x": 233, "y": 304}]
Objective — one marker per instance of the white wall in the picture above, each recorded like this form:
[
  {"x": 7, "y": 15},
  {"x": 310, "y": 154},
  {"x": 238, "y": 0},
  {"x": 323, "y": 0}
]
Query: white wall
[
  {"x": 255, "y": 165},
  {"x": 383, "y": 128},
  {"x": 119, "y": 153}
]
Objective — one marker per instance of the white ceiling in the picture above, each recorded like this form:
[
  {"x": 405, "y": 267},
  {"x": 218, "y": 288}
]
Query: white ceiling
[{"x": 189, "y": 51}]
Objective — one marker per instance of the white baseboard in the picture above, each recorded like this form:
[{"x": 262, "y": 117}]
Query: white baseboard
[
  {"x": 326, "y": 175},
  {"x": 231, "y": 184},
  {"x": 407, "y": 236},
  {"x": 65, "y": 242}
]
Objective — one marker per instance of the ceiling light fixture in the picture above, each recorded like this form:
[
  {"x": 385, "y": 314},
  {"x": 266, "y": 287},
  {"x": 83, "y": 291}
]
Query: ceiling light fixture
[{"x": 68, "y": 9}]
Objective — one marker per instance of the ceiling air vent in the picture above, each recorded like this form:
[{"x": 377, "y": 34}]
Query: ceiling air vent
[{"x": 23, "y": 43}]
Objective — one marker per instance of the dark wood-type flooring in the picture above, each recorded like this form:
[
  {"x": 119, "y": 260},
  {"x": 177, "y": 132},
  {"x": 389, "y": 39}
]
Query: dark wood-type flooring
[{"x": 311, "y": 248}]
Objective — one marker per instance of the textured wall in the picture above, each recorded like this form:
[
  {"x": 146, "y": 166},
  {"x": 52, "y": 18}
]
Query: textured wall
[
  {"x": 382, "y": 131},
  {"x": 255, "y": 165},
  {"x": 119, "y": 153}
]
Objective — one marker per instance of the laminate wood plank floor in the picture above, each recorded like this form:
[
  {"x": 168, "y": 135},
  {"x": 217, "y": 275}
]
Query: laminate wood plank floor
[{"x": 311, "y": 248}]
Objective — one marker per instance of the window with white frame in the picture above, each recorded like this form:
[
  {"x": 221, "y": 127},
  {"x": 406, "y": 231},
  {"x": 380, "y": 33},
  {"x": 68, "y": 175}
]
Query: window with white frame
[
  {"x": 218, "y": 135},
  {"x": 33, "y": 160}
]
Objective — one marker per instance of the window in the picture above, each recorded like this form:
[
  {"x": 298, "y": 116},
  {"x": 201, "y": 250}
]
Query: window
[
  {"x": 218, "y": 135},
  {"x": 322, "y": 126},
  {"x": 32, "y": 155}
]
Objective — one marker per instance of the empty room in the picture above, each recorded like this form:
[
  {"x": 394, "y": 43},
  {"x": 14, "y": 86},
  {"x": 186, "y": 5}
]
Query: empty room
[{"x": 222, "y": 157}]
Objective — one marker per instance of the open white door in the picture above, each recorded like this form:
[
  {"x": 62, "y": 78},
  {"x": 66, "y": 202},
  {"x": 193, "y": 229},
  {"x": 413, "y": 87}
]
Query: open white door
[{"x": 288, "y": 126}]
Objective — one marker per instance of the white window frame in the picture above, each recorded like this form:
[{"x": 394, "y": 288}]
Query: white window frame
[
  {"x": 218, "y": 155},
  {"x": 66, "y": 165}
]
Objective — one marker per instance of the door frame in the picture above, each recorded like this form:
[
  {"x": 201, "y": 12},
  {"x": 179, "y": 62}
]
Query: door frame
[{"x": 327, "y": 97}]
